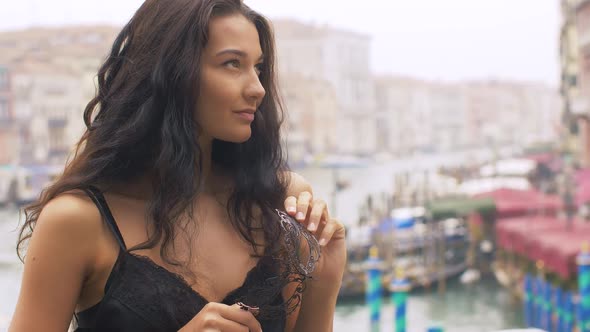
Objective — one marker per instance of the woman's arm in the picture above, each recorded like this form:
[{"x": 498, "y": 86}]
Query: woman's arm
[
  {"x": 317, "y": 307},
  {"x": 316, "y": 312},
  {"x": 59, "y": 257}
]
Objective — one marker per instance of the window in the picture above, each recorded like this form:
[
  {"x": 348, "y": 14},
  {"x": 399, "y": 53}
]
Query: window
[
  {"x": 3, "y": 79},
  {"x": 573, "y": 80},
  {"x": 4, "y": 114}
]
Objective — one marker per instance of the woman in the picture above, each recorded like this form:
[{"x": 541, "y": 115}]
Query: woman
[{"x": 166, "y": 217}]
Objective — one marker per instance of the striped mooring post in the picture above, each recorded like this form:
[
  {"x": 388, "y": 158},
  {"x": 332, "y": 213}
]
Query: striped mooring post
[
  {"x": 374, "y": 291},
  {"x": 539, "y": 298},
  {"x": 529, "y": 312},
  {"x": 435, "y": 328},
  {"x": 559, "y": 300},
  {"x": 399, "y": 287},
  {"x": 547, "y": 306},
  {"x": 538, "y": 302},
  {"x": 583, "y": 261},
  {"x": 568, "y": 312}
]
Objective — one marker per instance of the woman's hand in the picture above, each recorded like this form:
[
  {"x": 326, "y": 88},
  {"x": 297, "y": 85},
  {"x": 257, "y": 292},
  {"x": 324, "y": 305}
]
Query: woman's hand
[
  {"x": 218, "y": 317},
  {"x": 314, "y": 215}
]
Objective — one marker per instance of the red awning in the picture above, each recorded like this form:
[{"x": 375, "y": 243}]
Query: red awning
[
  {"x": 514, "y": 203},
  {"x": 536, "y": 227},
  {"x": 506, "y": 229},
  {"x": 559, "y": 252},
  {"x": 516, "y": 234},
  {"x": 546, "y": 239}
]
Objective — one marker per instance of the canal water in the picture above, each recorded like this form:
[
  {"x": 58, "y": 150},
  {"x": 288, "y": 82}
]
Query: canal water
[{"x": 480, "y": 307}]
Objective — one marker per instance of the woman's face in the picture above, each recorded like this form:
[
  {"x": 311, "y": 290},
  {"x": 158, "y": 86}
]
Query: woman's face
[{"x": 230, "y": 89}]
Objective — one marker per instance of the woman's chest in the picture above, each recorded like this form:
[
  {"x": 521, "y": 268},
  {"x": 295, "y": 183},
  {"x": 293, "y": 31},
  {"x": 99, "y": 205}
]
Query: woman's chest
[
  {"x": 142, "y": 295},
  {"x": 211, "y": 253},
  {"x": 214, "y": 257}
]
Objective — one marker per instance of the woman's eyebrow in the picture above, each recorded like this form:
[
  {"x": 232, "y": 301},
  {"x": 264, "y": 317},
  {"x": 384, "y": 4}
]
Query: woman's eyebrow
[{"x": 237, "y": 52}]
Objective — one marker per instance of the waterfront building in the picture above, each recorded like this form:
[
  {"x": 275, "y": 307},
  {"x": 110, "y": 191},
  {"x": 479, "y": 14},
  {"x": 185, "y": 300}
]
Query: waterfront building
[
  {"x": 340, "y": 58},
  {"x": 8, "y": 129}
]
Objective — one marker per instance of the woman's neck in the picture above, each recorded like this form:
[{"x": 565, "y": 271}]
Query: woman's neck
[{"x": 214, "y": 181}]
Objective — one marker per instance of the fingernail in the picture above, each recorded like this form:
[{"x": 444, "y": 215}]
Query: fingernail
[
  {"x": 322, "y": 242},
  {"x": 311, "y": 227},
  {"x": 291, "y": 209},
  {"x": 299, "y": 216}
]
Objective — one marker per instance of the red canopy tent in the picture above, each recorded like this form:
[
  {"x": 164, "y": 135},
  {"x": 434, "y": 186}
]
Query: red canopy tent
[
  {"x": 541, "y": 247},
  {"x": 559, "y": 252},
  {"x": 516, "y": 234},
  {"x": 514, "y": 203},
  {"x": 561, "y": 233},
  {"x": 544, "y": 238},
  {"x": 506, "y": 229},
  {"x": 528, "y": 231}
]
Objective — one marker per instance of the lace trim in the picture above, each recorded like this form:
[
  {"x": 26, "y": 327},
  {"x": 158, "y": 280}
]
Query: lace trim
[{"x": 182, "y": 281}]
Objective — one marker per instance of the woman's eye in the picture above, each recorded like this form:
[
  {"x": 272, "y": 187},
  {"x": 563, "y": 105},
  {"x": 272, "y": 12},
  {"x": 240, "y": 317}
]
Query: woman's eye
[
  {"x": 232, "y": 64},
  {"x": 259, "y": 68}
]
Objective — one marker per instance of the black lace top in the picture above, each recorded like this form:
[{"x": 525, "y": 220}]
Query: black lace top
[{"x": 140, "y": 295}]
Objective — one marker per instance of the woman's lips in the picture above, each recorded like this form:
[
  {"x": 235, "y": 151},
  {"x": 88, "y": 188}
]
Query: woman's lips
[{"x": 247, "y": 116}]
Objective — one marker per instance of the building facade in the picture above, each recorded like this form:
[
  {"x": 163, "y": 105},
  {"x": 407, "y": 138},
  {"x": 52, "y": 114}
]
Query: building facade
[
  {"x": 49, "y": 101},
  {"x": 427, "y": 116},
  {"x": 404, "y": 115},
  {"x": 52, "y": 77},
  {"x": 8, "y": 129},
  {"x": 575, "y": 55},
  {"x": 311, "y": 113},
  {"x": 340, "y": 58}
]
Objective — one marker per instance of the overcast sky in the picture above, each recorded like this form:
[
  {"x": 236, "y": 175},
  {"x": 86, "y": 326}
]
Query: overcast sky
[{"x": 431, "y": 39}]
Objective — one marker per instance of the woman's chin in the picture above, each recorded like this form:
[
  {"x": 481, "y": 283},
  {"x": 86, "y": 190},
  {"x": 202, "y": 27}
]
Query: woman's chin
[
  {"x": 244, "y": 140},
  {"x": 238, "y": 137}
]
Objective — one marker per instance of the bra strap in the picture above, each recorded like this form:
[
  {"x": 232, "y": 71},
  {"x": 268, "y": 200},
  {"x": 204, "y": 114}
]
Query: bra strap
[{"x": 101, "y": 203}]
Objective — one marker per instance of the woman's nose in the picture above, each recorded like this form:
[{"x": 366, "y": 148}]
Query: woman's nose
[{"x": 255, "y": 91}]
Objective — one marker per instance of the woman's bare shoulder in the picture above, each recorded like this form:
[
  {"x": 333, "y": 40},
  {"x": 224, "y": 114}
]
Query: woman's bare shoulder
[
  {"x": 60, "y": 256},
  {"x": 71, "y": 215}
]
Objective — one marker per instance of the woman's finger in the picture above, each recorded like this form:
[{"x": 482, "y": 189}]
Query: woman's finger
[
  {"x": 227, "y": 325},
  {"x": 328, "y": 232},
  {"x": 291, "y": 205},
  {"x": 319, "y": 213},
  {"x": 303, "y": 202},
  {"x": 237, "y": 319}
]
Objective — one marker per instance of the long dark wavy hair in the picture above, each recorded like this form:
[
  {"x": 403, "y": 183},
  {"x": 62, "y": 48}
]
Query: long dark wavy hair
[{"x": 141, "y": 121}]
